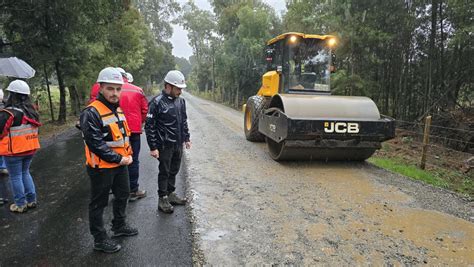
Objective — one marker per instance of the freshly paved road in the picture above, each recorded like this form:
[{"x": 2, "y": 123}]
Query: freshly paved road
[{"x": 57, "y": 233}]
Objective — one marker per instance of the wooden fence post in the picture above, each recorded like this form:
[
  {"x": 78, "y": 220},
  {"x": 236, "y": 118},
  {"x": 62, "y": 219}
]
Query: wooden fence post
[{"x": 426, "y": 140}]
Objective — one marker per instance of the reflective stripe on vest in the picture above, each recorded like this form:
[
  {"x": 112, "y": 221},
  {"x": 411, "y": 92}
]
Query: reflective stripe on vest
[
  {"x": 119, "y": 132},
  {"x": 20, "y": 139}
]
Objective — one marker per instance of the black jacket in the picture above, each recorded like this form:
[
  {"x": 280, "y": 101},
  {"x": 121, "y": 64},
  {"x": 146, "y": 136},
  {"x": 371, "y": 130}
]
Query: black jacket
[
  {"x": 95, "y": 134},
  {"x": 4, "y": 116},
  {"x": 166, "y": 122}
]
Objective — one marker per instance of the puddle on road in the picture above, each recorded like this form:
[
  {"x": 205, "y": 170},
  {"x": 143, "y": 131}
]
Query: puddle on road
[{"x": 445, "y": 238}]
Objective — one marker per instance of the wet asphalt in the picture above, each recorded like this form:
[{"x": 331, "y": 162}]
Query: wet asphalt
[{"x": 57, "y": 232}]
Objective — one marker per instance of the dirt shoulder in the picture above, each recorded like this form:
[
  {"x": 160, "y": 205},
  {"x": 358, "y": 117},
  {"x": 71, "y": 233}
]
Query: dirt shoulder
[{"x": 51, "y": 132}]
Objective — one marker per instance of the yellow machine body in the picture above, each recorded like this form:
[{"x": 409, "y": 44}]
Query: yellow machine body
[{"x": 270, "y": 84}]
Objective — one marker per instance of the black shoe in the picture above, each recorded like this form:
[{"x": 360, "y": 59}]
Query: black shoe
[
  {"x": 125, "y": 230},
  {"x": 107, "y": 245}
]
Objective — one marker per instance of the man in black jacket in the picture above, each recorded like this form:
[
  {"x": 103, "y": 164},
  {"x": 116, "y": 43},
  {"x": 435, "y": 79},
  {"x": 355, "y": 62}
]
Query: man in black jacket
[
  {"x": 108, "y": 153},
  {"x": 166, "y": 129}
]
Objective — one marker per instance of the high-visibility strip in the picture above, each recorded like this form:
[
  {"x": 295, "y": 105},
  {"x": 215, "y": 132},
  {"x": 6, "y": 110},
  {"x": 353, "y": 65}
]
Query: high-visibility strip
[
  {"x": 23, "y": 126},
  {"x": 119, "y": 143},
  {"x": 23, "y": 130},
  {"x": 32, "y": 131},
  {"x": 109, "y": 121}
]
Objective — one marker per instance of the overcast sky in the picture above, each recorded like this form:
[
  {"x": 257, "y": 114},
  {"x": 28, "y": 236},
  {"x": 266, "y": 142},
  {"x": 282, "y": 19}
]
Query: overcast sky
[{"x": 179, "y": 39}]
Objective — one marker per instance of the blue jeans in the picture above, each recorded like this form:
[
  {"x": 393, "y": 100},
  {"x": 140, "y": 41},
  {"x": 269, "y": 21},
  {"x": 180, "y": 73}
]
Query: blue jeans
[
  {"x": 22, "y": 184},
  {"x": 2, "y": 163}
]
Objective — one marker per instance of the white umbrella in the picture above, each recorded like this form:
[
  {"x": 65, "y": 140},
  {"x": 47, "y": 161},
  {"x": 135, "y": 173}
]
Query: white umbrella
[{"x": 15, "y": 67}]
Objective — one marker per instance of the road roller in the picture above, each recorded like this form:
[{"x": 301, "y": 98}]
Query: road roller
[{"x": 295, "y": 113}]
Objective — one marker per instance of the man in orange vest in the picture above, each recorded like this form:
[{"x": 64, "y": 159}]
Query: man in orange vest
[
  {"x": 108, "y": 153},
  {"x": 135, "y": 107}
]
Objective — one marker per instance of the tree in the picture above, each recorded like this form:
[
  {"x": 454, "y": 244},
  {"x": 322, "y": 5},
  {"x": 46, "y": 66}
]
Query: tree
[{"x": 55, "y": 34}]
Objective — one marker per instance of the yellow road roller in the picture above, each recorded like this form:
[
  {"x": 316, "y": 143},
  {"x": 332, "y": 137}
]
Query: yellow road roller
[{"x": 295, "y": 113}]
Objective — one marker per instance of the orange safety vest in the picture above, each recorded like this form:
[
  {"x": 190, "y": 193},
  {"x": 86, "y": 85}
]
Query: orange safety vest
[
  {"x": 20, "y": 139},
  {"x": 120, "y": 136}
]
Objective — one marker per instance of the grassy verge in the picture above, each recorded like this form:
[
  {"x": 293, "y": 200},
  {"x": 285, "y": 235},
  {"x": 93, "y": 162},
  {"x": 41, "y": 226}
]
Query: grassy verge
[
  {"x": 51, "y": 129},
  {"x": 439, "y": 177}
]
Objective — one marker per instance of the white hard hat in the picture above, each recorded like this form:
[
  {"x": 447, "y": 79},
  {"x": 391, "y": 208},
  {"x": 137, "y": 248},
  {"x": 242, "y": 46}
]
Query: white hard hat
[
  {"x": 110, "y": 75},
  {"x": 122, "y": 71},
  {"x": 129, "y": 77},
  {"x": 176, "y": 78},
  {"x": 19, "y": 86}
]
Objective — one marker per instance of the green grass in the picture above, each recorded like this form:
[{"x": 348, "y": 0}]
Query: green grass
[
  {"x": 43, "y": 102},
  {"x": 411, "y": 171},
  {"x": 437, "y": 176}
]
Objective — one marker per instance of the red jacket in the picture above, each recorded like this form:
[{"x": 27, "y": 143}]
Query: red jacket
[
  {"x": 133, "y": 103},
  {"x": 94, "y": 92}
]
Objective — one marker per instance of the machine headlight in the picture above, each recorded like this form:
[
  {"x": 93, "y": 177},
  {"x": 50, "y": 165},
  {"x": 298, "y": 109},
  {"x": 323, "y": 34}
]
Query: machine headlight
[
  {"x": 293, "y": 39},
  {"x": 332, "y": 42}
]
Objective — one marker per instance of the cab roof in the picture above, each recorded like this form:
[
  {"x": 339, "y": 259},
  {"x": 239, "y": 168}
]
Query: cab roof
[{"x": 302, "y": 35}]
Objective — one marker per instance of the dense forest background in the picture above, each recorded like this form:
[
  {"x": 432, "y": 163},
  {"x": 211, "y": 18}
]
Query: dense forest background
[{"x": 413, "y": 58}]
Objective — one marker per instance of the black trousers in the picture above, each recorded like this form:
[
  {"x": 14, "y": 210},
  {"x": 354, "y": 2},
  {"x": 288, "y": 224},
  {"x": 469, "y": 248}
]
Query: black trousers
[
  {"x": 133, "y": 169},
  {"x": 170, "y": 161},
  {"x": 102, "y": 180}
]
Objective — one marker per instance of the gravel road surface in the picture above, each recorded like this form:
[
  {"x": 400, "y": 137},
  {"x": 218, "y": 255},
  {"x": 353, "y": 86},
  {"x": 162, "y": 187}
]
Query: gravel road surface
[{"x": 248, "y": 209}]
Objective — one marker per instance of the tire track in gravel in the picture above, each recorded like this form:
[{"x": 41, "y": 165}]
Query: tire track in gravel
[{"x": 249, "y": 209}]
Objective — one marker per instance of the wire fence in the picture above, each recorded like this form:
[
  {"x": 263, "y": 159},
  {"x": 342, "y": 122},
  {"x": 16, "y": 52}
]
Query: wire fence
[{"x": 435, "y": 145}]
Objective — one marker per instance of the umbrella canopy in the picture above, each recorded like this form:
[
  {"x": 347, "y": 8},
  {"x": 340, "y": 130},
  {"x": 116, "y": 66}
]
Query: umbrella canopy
[{"x": 15, "y": 67}]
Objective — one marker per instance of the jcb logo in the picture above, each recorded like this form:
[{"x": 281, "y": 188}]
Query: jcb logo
[{"x": 341, "y": 127}]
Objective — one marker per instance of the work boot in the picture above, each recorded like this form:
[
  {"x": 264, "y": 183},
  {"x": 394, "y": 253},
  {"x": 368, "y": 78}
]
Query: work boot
[
  {"x": 32, "y": 205},
  {"x": 125, "y": 230},
  {"x": 107, "y": 245},
  {"x": 137, "y": 195},
  {"x": 18, "y": 209},
  {"x": 164, "y": 205},
  {"x": 175, "y": 200}
]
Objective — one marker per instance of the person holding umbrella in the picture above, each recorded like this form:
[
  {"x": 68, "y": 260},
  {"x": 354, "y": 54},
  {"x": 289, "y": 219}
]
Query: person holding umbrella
[{"x": 19, "y": 123}]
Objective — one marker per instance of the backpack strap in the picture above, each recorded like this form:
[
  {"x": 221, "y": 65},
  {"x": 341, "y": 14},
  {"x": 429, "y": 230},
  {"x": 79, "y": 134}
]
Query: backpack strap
[{"x": 8, "y": 123}]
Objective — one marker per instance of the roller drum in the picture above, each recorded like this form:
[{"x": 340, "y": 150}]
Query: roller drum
[
  {"x": 281, "y": 152},
  {"x": 311, "y": 108}
]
